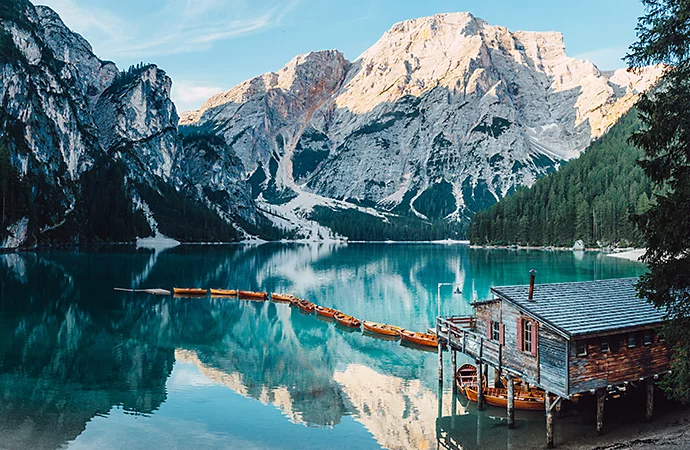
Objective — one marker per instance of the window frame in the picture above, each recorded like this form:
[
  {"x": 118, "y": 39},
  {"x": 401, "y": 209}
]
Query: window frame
[
  {"x": 527, "y": 330},
  {"x": 577, "y": 348},
  {"x": 633, "y": 338},
  {"x": 648, "y": 334},
  {"x": 605, "y": 345},
  {"x": 495, "y": 330}
]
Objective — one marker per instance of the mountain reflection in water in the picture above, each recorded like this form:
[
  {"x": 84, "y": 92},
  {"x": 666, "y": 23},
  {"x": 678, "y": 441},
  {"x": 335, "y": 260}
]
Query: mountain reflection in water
[{"x": 73, "y": 351}]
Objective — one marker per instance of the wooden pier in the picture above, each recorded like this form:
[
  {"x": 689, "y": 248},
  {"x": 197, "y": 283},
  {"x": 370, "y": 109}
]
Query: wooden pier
[{"x": 567, "y": 339}]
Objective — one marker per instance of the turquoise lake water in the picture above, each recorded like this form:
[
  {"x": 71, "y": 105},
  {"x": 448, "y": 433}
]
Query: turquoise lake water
[{"x": 83, "y": 366}]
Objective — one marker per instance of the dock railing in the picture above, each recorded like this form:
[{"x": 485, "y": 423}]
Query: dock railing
[{"x": 457, "y": 333}]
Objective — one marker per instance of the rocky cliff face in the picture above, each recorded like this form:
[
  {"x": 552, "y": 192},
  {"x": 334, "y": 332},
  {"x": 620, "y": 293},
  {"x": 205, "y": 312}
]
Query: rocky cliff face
[
  {"x": 94, "y": 149},
  {"x": 443, "y": 116}
]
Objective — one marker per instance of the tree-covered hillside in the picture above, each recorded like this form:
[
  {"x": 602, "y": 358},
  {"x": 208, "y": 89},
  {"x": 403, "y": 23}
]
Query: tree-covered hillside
[{"x": 591, "y": 198}]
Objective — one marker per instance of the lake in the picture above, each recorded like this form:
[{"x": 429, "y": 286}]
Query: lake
[{"x": 83, "y": 366}]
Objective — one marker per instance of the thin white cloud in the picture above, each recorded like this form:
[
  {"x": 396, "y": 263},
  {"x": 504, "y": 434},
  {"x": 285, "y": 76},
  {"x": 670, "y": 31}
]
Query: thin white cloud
[
  {"x": 177, "y": 26},
  {"x": 84, "y": 20},
  {"x": 189, "y": 96},
  {"x": 605, "y": 58}
]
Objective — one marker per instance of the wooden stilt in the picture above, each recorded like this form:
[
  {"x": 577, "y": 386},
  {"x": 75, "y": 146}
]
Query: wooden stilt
[
  {"x": 440, "y": 362},
  {"x": 549, "y": 420},
  {"x": 601, "y": 399},
  {"x": 480, "y": 386},
  {"x": 511, "y": 403},
  {"x": 650, "y": 399},
  {"x": 454, "y": 364}
]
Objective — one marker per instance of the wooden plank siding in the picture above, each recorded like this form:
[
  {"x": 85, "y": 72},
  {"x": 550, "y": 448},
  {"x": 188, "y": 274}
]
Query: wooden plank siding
[
  {"x": 553, "y": 361},
  {"x": 522, "y": 361},
  {"x": 600, "y": 369}
]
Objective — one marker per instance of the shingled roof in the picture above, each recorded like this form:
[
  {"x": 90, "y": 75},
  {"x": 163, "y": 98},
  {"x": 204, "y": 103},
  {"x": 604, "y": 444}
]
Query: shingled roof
[{"x": 585, "y": 307}]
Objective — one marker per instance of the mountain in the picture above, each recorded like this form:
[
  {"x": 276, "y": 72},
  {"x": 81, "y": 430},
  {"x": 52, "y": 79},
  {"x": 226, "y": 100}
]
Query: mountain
[
  {"x": 89, "y": 153},
  {"x": 590, "y": 199},
  {"x": 440, "y": 118}
]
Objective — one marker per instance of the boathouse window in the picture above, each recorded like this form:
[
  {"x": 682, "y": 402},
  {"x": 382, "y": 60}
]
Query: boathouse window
[
  {"x": 605, "y": 345},
  {"x": 647, "y": 337},
  {"x": 632, "y": 342},
  {"x": 581, "y": 348},
  {"x": 527, "y": 336},
  {"x": 495, "y": 331}
]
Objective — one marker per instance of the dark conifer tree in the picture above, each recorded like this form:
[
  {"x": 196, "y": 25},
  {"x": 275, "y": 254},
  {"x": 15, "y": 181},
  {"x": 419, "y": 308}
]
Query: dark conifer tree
[{"x": 664, "y": 38}]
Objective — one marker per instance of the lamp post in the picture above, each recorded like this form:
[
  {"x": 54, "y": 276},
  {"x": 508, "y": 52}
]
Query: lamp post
[
  {"x": 438, "y": 330},
  {"x": 456, "y": 291}
]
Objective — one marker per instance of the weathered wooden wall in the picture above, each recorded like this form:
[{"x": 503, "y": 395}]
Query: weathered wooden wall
[
  {"x": 548, "y": 367},
  {"x": 520, "y": 360},
  {"x": 553, "y": 361},
  {"x": 600, "y": 369}
]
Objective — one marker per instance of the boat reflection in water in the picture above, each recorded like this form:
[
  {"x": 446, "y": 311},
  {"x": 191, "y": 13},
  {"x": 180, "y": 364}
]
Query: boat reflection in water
[{"x": 83, "y": 366}]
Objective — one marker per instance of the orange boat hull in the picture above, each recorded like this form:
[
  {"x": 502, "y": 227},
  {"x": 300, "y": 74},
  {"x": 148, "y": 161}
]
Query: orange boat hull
[
  {"x": 386, "y": 330},
  {"x": 499, "y": 398},
  {"x": 189, "y": 291},
  {"x": 282, "y": 297},
  {"x": 428, "y": 340},
  {"x": 253, "y": 295},
  {"x": 224, "y": 292},
  {"x": 306, "y": 306},
  {"x": 348, "y": 321},
  {"x": 326, "y": 312}
]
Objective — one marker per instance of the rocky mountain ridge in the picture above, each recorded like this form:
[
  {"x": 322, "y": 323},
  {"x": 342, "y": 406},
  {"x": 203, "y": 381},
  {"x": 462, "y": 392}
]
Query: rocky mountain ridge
[
  {"x": 93, "y": 153},
  {"x": 442, "y": 117}
]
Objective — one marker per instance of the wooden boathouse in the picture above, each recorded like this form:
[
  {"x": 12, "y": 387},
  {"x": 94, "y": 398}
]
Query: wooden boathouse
[{"x": 568, "y": 339}]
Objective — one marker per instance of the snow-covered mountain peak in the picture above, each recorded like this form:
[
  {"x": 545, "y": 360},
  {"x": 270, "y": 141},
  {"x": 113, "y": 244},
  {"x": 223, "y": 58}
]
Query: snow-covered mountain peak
[{"x": 442, "y": 116}]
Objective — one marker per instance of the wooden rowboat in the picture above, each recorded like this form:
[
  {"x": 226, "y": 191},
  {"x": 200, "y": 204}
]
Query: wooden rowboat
[
  {"x": 250, "y": 295},
  {"x": 155, "y": 291},
  {"x": 382, "y": 328},
  {"x": 224, "y": 292},
  {"x": 414, "y": 337},
  {"x": 499, "y": 398},
  {"x": 282, "y": 297},
  {"x": 306, "y": 306},
  {"x": 466, "y": 378},
  {"x": 348, "y": 321},
  {"x": 189, "y": 291},
  {"x": 326, "y": 312}
]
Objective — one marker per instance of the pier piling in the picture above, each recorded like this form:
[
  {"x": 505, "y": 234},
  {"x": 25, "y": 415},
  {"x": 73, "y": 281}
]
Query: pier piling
[
  {"x": 650, "y": 399},
  {"x": 601, "y": 399},
  {"x": 548, "y": 404},
  {"x": 480, "y": 385},
  {"x": 511, "y": 402}
]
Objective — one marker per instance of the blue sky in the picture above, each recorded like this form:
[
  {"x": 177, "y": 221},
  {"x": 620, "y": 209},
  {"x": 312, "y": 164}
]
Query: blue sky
[{"x": 208, "y": 46}]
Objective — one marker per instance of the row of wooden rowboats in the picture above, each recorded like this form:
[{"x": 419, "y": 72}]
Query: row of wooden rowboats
[{"x": 423, "y": 339}]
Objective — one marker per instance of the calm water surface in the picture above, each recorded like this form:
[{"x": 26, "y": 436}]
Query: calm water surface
[{"x": 82, "y": 366}]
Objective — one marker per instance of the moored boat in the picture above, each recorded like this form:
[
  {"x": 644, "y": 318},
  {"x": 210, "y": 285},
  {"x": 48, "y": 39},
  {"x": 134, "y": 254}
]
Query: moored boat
[
  {"x": 348, "y": 321},
  {"x": 189, "y": 291},
  {"x": 281, "y": 297},
  {"x": 382, "y": 328},
  {"x": 466, "y": 378},
  {"x": 326, "y": 312},
  {"x": 251, "y": 295},
  {"x": 224, "y": 292},
  {"x": 306, "y": 306},
  {"x": 414, "y": 337}
]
